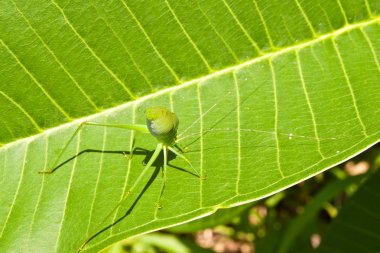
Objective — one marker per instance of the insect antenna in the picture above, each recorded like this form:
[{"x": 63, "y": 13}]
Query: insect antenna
[
  {"x": 218, "y": 121},
  {"x": 228, "y": 129},
  {"x": 196, "y": 121}
]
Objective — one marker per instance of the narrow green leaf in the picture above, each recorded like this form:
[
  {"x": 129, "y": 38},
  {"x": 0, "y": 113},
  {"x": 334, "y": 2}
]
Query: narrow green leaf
[{"x": 357, "y": 227}]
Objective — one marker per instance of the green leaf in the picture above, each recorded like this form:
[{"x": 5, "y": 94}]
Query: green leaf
[
  {"x": 292, "y": 87},
  {"x": 357, "y": 226},
  {"x": 296, "y": 227}
]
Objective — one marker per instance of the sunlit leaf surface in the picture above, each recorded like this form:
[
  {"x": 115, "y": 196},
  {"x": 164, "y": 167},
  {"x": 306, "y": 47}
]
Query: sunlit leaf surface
[{"x": 287, "y": 90}]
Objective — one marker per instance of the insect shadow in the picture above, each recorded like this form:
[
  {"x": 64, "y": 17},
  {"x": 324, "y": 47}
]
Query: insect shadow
[
  {"x": 158, "y": 163},
  {"x": 85, "y": 151}
]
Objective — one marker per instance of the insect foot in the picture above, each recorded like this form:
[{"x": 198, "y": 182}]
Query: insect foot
[
  {"x": 158, "y": 205},
  {"x": 204, "y": 177},
  {"x": 81, "y": 248},
  {"x": 45, "y": 172},
  {"x": 127, "y": 194}
]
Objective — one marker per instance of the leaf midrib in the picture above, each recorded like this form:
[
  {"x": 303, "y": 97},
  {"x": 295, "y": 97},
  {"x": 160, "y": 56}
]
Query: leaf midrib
[{"x": 278, "y": 52}]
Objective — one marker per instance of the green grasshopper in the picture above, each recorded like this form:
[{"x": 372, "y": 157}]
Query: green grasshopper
[{"x": 163, "y": 125}]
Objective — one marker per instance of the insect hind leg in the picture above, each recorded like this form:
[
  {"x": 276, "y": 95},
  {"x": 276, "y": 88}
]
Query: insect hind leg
[{"x": 186, "y": 160}]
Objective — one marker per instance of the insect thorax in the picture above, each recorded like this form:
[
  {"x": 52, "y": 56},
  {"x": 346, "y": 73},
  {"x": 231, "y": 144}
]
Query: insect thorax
[{"x": 162, "y": 124}]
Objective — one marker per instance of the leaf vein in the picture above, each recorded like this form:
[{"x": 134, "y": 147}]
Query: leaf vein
[
  {"x": 254, "y": 44},
  {"x": 368, "y": 8},
  {"x": 276, "y": 118},
  {"x": 56, "y": 59},
  {"x": 117, "y": 79},
  {"x": 67, "y": 196},
  {"x": 36, "y": 81},
  {"x": 141, "y": 72},
  {"x": 308, "y": 103},
  {"x": 343, "y": 12},
  {"x": 308, "y": 22},
  {"x": 264, "y": 24},
  {"x": 188, "y": 36},
  {"x": 238, "y": 132},
  {"x": 354, "y": 100},
  {"x": 17, "y": 190},
  {"x": 31, "y": 119},
  {"x": 8, "y": 129},
  {"x": 150, "y": 41},
  {"x": 104, "y": 139},
  {"x": 39, "y": 195},
  {"x": 200, "y": 144},
  {"x": 372, "y": 48},
  {"x": 131, "y": 142},
  {"x": 236, "y": 58}
]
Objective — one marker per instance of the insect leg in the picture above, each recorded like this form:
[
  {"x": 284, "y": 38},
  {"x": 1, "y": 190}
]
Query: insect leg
[
  {"x": 136, "y": 127},
  {"x": 163, "y": 175},
  {"x": 147, "y": 166},
  {"x": 53, "y": 168},
  {"x": 139, "y": 128},
  {"x": 132, "y": 148},
  {"x": 180, "y": 148},
  {"x": 185, "y": 159}
]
